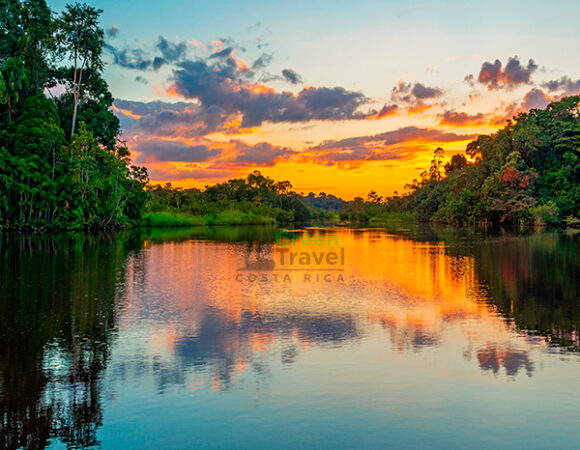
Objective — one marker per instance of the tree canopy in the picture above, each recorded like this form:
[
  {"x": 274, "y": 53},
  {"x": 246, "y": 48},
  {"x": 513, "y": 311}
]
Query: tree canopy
[
  {"x": 62, "y": 163},
  {"x": 528, "y": 172}
]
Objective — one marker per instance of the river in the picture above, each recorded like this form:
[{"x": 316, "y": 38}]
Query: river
[{"x": 250, "y": 337}]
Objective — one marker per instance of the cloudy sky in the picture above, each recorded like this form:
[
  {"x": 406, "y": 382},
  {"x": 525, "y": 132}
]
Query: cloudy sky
[{"x": 335, "y": 96}]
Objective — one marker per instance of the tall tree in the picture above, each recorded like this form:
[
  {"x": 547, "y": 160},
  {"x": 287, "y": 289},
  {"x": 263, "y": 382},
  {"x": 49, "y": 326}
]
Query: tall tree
[
  {"x": 436, "y": 163},
  {"x": 80, "y": 38},
  {"x": 14, "y": 80}
]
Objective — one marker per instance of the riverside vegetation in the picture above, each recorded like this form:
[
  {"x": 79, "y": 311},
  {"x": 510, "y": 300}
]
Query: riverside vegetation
[
  {"x": 255, "y": 199},
  {"x": 526, "y": 173},
  {"x": 63, "y": 164}
]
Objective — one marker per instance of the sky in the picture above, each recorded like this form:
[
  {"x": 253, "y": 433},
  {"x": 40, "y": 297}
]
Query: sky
[{"x": 334, "y": 96}]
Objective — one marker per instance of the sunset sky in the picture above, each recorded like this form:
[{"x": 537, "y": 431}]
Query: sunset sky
[{"x": 335, "y": 96}]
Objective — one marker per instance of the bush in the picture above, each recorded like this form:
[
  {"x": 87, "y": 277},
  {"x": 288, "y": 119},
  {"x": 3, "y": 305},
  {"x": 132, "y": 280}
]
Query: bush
[
  {"x": 572, "y": 222},
  {"x": 545, "y": 214}
]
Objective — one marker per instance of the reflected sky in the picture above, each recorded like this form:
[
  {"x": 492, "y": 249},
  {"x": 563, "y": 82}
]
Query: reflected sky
[
  {"x": 197, "y": 309},
  {"x": 416, "y": 337}
]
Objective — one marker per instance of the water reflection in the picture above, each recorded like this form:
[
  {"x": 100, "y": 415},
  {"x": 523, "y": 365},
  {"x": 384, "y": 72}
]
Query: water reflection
[
  {"x": 58, "y": 313},
  {"x": 84, "y": 317},
  {"x": 492, "y": 358}
]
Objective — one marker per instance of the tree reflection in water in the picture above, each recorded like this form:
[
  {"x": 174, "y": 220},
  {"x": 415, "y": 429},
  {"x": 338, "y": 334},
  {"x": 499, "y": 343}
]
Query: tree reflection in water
[
  {"x": 66, "y": 300},
  {"x": 57, "y": 323}
]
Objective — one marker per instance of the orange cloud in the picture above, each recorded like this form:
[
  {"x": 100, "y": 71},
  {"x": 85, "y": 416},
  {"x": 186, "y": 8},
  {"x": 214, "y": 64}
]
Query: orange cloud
[
  {"x": 387, "y": 110},
  {"x": 461, "y": 119},
  {"x": 126, "y": 112},
  {"x": 418, "y": 108},
  {"x": 162, "y": 90}
]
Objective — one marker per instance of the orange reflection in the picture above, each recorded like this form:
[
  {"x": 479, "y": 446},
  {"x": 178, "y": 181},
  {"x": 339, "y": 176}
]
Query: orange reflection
[{"x": 218, "y": 311}]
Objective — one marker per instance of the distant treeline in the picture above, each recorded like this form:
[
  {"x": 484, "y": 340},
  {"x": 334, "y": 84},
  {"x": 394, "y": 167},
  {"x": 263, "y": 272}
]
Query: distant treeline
[
  {"x": 528, "y": 172},
  {"x": 62, "y": 164},
  {"x": 254, "y": 199}
]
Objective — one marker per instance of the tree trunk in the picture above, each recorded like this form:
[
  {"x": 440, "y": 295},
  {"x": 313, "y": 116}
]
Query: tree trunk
[
  {"x": 74, "y": 117},
  {"x": 78, "y": 73}
]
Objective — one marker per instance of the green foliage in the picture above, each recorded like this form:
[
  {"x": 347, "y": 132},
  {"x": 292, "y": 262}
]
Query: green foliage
[
  {"x": 255, "y": 199},
  {"x": 169, "y": 219},
  {"x": 546, "y": 214},
  {"x": 572, "y": 222},
  {"x": 457, "y": 162},
  {"x": 324, "y": 202},
  {"x": 79, "y": 38},
  {"x": 238, "y": 218},
  {"x": 14, "y": 77},
  {"x": 53, "y": 175},
  {"x": 26, "y": 33},
  {"x": 172, "y": 219},
  {"x": 391, "y": 216},
  {"x": 526, "y": 173}
]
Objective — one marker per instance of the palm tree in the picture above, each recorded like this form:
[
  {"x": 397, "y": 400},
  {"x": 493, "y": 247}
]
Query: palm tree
[{"x": 13, "y": 74}]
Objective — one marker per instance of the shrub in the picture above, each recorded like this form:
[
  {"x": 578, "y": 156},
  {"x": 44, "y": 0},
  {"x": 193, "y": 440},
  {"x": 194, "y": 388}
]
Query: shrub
[{"x": 547, "y": 213}]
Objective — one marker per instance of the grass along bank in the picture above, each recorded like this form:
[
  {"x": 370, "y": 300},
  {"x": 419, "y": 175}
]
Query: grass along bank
[
  {"x": 393, "y": 216},
  {"x": 173, "y": 219}
]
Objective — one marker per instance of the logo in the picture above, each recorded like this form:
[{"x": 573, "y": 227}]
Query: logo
[{"x": 295, "y": 256}]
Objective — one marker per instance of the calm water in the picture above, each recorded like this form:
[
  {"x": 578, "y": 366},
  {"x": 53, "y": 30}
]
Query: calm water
[{"x": 408, "y": 338}]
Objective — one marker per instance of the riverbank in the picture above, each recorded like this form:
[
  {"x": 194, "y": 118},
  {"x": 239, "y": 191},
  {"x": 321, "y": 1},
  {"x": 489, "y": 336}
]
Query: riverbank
[
  {"x": 172, "y": 219},
  {"x": 387, "y": 217}
]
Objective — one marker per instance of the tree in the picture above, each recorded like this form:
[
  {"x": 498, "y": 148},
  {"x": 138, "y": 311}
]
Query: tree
[
  {"x": 436, "y": 163},
  {"x": 529, "y": 168},
  {"x": 14, "y": 80},
  {"x": 49, "y": 179},
  {"x": 12, "y": 31},
  {"x": 38, "y": 41},
  {"x": 36, "y": 139},
  {"x": 375, "y": 198},
  {"x": 81, "y": 39},
  {"x": 457, "y": 162}
]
